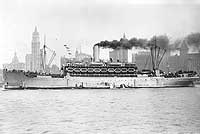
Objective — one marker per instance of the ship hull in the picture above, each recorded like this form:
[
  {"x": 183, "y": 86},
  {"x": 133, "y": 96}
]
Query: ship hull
[{"x": 18, "y": 80}]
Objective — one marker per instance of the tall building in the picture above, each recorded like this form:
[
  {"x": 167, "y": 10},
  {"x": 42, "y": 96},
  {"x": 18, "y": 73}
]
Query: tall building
[
  {"x": 143, "y": 60},
  {"x": 184, "y": 60},
  {"x": 133, "y": 58},
  {"x": 120, "y": 54},
  {"x": 15, "y": 64},
  {"x": 193, "y": 62},
  {"x": 35, "y": 51},
  {"x": 42, "y": 62},
  {"x": 28, "y": 61},
  {"x": 96, "y": 53},
  {"x": 1, "y": 76}
]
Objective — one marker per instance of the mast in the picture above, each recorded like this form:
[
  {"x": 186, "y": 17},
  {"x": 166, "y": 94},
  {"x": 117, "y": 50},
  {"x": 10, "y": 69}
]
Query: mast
[
  {"x": 158, "y": 54},
  {"x": 147, "y": 61},
  {"x": 44, "y": 58},
  {"x": 152, "y": 58},
  {"x": 155, "y": 58},
  {"x": 161, "y": 57}
]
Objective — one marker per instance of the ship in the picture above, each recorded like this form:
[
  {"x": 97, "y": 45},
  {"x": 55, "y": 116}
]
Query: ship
[{"x": 99, "y": 75}]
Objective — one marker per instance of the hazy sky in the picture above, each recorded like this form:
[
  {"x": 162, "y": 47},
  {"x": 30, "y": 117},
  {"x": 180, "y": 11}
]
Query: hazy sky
[{"x": 86, "y": 22}]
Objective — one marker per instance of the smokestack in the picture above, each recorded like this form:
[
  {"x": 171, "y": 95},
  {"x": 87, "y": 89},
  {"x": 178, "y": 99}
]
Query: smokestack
[{"x": 96, "y": 53}]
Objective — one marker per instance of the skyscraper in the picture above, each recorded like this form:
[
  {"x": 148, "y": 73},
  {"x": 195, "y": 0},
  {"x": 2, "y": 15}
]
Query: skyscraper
[
  {"x": 28, "y": 60},
  {"x": 120, "y": 54},
  {"x": 35, "y": 51}
]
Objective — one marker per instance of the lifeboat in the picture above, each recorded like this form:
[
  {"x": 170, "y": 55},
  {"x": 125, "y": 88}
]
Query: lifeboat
[
  {"x": 131, "y": 70},
  {"x": 70, "y": 70},
  {"x": 124, "y": 70},
  {"x": 77, "y": 70},
  {"x": 90, "y": 70},
  {"x": 103, "y": 70},
  {"x": 83, "y": 70},
  {"x": 111, "y": 70},
  {"x": 97, "y": 70},
  {"x": 117, "y": 70}
]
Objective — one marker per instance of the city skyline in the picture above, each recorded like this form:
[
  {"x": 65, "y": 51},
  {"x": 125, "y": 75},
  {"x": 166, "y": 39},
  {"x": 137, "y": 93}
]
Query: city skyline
[{"x": 77, "y": 23}]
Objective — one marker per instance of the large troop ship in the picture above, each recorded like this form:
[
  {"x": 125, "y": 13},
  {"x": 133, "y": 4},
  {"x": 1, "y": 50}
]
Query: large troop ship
[
  {"x": 94, "y": 75},
  {"x": 98, "y": 75}
]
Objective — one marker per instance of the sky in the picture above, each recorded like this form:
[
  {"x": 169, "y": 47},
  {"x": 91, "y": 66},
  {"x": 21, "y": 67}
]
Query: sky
[{"x": 82, "y": 23}]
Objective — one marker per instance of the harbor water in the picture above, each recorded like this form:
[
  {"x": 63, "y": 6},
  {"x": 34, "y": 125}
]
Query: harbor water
[{"x": 120, "y": 111}]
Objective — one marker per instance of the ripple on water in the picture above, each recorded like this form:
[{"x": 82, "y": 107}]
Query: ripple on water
[{"x": 100, "y": 111}]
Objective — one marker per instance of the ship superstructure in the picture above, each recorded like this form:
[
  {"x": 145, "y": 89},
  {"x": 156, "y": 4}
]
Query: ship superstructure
[{"x": 101, "y": 70}]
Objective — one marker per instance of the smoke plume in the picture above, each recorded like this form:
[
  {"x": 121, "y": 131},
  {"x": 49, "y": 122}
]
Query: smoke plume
[
  {"x": 193, "y": 41},
  {"x": 176, "y": 44},
  {"x": 161, "y": 41}
]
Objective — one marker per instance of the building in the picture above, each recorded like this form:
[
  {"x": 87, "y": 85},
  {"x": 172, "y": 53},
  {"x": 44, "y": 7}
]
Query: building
[
  {"x": 64, "y": 60},
  {"x": 143, "y": 60},
  {"x": 183, "y": 59},
  {"x": 193, "y": 62},
  {"x": 35, "y": 51},
  {"x": 54, "y": 69},
  {"x": 15, "y": 64},
  {"x": 96, "y": 53},
  {"x": 28, "y": 61},
  {"x": 133, "y": 58},
  {"x": 188, "y": 60},
  {"x": 1, "y": 76},
  {"x": 172, "y": 64},
  {"x": 79, "y": 57},
  {"x": 82, "y": 57},
  {"x": 120, "y": 54},
  {"x": 42, "y": 62}
]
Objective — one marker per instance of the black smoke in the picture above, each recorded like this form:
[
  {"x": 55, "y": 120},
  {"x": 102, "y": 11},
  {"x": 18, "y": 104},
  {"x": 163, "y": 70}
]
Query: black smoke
[
  {"x": 193, "y": 39},
  {"x": 123, "y": 43},
  {"x": 161, "y": 41}
]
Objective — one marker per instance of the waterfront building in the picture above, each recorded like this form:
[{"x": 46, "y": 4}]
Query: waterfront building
[
  {"x": 42, "y": 62},
  {"x": 133, "y": 58},
  {"x": 193, "y": 62},
  {"x": 82, "y": 57},
  {"x": 54, "y": 69},
  {"x": 35, "y": 51},
  {"x": 143, "y": 60},
  {"x": 120, "y": 54},
  {"x": 15, "y": 64},
  {"x": 96, "y": 53},
  {"x": 1, "y": 75},
  {"x": 181, "y": 59},
  {"x": 28, "y": 62},
  {"x": 173, "y": 64},
  {"x": 64, "y": 60}
]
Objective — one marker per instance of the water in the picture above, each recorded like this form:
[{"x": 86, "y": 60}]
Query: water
[{"x": 100, "y": 111}]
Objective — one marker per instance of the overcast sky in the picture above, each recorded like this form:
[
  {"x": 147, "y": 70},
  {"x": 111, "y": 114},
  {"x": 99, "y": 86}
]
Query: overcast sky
[{"x": 82, "y": 23}]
